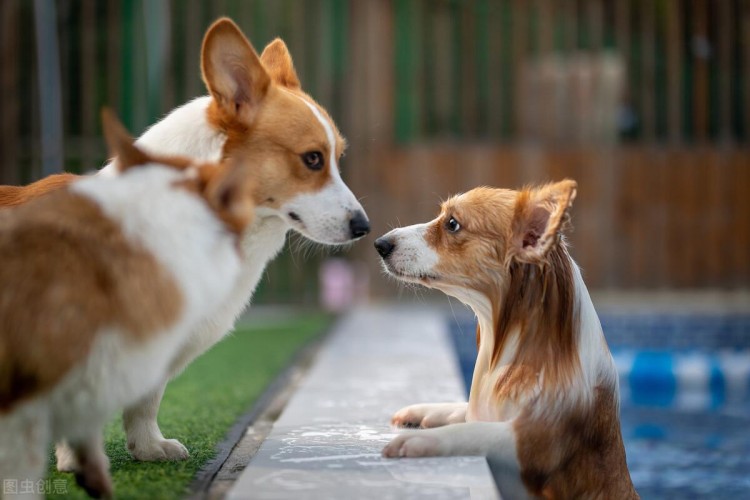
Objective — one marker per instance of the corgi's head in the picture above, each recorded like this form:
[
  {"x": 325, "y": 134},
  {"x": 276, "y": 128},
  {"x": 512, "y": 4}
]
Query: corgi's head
[
  {"x": 227, "y": 187},
  {"x": 471, "y": 246},
  {"x": 289, "y": 141}
]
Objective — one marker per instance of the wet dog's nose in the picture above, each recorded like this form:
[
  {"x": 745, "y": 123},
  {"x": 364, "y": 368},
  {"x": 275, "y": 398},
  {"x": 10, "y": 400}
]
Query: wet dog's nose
[
  {"x": 384, "y": 247},
  {"x": 359, "y": 225}
]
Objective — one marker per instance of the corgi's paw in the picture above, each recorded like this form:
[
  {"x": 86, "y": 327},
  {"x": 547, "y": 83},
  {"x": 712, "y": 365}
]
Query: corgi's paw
[
  {"x": 430, "y": 415},
  {"x": 93, "y": 473},
  {"x": 96, "y": 482},
  {"x": 413, "y": 444},
  {"x": 158, "y": 450},
  {"x": 65, "y": 458}
]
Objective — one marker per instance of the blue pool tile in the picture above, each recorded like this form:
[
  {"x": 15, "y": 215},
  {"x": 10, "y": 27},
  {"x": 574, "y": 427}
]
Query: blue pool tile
[{"x": 652, "y": 380}]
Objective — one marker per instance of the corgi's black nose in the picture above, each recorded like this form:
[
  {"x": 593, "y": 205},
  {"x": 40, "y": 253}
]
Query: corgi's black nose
[
  {"x": 384, "y": 247},
  {"x": 359, "y": 225}
]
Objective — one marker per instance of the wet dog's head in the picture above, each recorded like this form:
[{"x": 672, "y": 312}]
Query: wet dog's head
[
  {"x": 290, "y": 141},
  {"x": 470, "y": 246}
]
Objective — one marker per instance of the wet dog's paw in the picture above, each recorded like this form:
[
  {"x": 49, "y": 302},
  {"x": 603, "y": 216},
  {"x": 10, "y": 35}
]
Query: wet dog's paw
[
  {"x": 430, "y": 415},
  {"x": 413, "y": 444}
]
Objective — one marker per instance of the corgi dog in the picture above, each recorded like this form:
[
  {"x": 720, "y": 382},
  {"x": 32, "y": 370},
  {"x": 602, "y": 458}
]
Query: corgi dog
[
  {"x": 101, "y": 286},
  {"x": 544, "y": 399},
  {"x": 256, "y": 112}
]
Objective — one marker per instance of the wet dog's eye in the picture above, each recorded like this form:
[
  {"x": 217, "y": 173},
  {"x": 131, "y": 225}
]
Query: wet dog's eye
[
  {"x": 452, "y": 225},
  {"x": 313, "y": 160}
]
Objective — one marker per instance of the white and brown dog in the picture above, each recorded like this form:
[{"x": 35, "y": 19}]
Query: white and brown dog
[
  {"x": 256, "y": 113},
  {"x": 101, "y": 286},
  {"x": 544, "y": 401}
]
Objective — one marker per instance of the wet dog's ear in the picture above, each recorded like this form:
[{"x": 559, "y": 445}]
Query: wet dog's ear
[
  {"x": 232, "y": 70},
  {"x": 538, "y": 219},
  {"x": 278, "y": 62},
  {"x": 121, "y": 143}
]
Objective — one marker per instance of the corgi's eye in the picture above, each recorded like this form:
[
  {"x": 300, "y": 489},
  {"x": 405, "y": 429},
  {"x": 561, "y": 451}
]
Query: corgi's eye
[
  {"x": 313, "y": 160},
  {"x": 452, "y": 225}
]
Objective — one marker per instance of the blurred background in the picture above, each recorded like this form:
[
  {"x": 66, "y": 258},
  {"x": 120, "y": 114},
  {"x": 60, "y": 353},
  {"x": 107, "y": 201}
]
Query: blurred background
[{"x": 646, "y": 103}]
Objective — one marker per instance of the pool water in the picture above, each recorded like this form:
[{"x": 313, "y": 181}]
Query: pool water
[{"x": 685, "y": 399}]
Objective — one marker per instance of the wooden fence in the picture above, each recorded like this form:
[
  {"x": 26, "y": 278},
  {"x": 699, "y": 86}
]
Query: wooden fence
[
  {"x": 644, "y": 218},
  {"x": 645, "y": 102}
]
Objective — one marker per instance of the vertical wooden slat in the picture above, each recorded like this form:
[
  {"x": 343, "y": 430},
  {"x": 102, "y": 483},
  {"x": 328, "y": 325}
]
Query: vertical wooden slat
[
  {"x": 404, "y": 61},
  {"x": 697, "y": 212},
  {"x": 571, "y": 21},
  {"x": 622, "y": 28},
  {"x": 495, "y": 68},
  {"x": 168, "y": 93},
  {"x": 309, "y": 48},
  {"x": 192, "y": 44},
  {"x": 323, "y": 55},
  {"x": 642, "y": 206},
  {"x": 445, "y": 77},
  {"x": 648, "y": 80},
  {"x": 520, "y": 39},
  {"x": 50, "y": 86},
  {"x": 659, "y": 183},
  {"x": 296, "y": 40},
  {"x": 88, "y": 79},
  {"x": 595, "y": 14},
  {"x": 675, "y": 48},
  {"x": 469, "y": 96},
  {"x": 546, "y": 118},
  {"x": 9, "y": 96},
  {"x": 725, "y": 34},
  {"x": 740, "y": 235},
  {"x": 624, "y": 218},
  {"x": 545, "y": 11},
  {"x": 700, "y": 69},
  {"x": 113, "y": 55},
  {"x": 716, "y": 225},
  {"x": 745, "y": 64},
  {"x": 622, "y": 16},
  {"x": 340, "y": 50}
]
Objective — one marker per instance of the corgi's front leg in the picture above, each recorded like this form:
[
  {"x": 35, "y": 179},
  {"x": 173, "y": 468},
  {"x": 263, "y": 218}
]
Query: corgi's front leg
[
  {"x": 430, "y": 415},
  {"x": 144, "y": 438},
  {"x": 65, "y": 458}
]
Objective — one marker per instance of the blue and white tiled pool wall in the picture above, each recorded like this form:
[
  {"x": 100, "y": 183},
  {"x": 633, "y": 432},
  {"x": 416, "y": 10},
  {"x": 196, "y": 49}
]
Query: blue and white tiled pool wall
[{"x": 685, "y": 392}]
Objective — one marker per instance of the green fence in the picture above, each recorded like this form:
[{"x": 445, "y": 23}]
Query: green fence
[{"x": 460, "y": 65}]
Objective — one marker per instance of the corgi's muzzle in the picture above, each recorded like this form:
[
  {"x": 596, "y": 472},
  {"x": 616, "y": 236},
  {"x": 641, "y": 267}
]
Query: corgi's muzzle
[{"x": 359, "y": 226}]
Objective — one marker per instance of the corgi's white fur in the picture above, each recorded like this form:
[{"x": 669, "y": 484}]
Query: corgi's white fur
[
  {"x": 67, "y": 366},
  {"x": 258, "y": 113},
  {"x": 544, "y": 400}
]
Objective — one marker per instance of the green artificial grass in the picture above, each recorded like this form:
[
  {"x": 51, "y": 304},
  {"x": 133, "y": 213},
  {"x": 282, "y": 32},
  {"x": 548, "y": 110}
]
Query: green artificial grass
[{"x": 201, "y": 405}]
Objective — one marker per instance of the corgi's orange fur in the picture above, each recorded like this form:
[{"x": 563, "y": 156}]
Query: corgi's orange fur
[
  {"x": 257, "y": 113},
  {"x": 544, "y": 401},
  {"x": 101, "y": 285},
  {"x": 11, "y": 196}
]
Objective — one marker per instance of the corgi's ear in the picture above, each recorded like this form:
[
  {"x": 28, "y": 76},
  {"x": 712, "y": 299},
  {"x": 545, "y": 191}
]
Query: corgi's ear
[
  {"x": 121, "y": 144},
  {"x": 278, "y": 62},
  {"x": 232, "y": 70},
  {"x": 229, "y": 192},
  {"x": 538, "y": 219}
]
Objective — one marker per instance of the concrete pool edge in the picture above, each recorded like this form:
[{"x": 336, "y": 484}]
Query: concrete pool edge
[{"x": 327, "y": 441}]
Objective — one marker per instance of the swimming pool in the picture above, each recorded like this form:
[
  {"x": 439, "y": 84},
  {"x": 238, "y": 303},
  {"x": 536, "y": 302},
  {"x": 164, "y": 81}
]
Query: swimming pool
[{"x": 685, "y": 391}]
